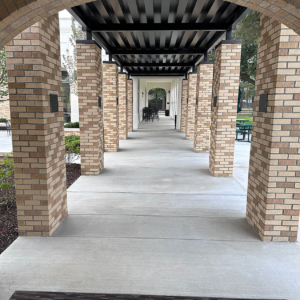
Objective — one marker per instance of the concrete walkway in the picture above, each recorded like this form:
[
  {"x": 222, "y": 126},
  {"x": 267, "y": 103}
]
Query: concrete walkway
[{"x": 156, "y": 222}]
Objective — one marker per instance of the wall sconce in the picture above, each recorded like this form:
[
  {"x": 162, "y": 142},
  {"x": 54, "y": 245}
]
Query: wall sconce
[
  {"x": 53, "y": 103},
  {"x": 263, "y": 99},
  {"x": 143, "y": 94},
  {"x": 215, "y": 101},
  {"x": 169, "y": 92}
]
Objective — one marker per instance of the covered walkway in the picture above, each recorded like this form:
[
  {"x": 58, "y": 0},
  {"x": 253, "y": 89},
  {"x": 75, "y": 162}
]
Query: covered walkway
[{"x": 156, "y": 220}]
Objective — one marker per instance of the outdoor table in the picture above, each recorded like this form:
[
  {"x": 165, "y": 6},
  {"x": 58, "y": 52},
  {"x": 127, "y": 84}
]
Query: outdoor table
[
  {"x": 246, "y": 128},
  {"x": 242, "y": 120}
]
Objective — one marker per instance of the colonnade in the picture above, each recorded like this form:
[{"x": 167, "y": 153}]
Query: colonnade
[
  {"x": 208, "y": 117},
  {"x": 209, "y": 112}
]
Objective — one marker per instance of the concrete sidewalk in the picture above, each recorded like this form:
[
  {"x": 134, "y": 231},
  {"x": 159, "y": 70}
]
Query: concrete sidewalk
[{"x": 156, "y": 222}]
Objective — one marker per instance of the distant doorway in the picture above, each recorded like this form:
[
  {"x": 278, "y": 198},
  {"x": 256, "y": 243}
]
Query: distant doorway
[{"x": 157, "y": 98}]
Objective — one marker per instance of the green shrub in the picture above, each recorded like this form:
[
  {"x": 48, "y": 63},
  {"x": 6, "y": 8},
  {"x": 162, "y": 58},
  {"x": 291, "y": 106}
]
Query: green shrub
[
  {"x": 72, "y": 144},
  {"x": 2, "y": 120},
  {"x": 72, "y": 125},
  {"x": 7, "y": 186}
]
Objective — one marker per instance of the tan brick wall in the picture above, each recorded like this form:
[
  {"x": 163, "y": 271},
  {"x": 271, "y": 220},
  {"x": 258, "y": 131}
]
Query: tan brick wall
[
  {"x": 183, "y": 105},
  {"x": 89, "y": 73},
  {"x": 273, "y": 199},
  {"x": 223, "y": 123},
  {"x": 191, "y": 106},
  {"x": 72, "y": 131},
  {"x": 4, "y": 108},
  {"x": 123, "y": 129},
  {"x": 203, "y": 109},
  {"x": 130, "y": 105},
  {"x": 34, "y": 72},
  {"x": 111, "y": 109}
]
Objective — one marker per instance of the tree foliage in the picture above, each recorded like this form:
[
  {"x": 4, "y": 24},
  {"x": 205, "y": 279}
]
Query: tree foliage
[
  {"x": 70, "y": 59},
  {"x": 3, "y": 74},
  {"x": 72, "y": 146},
  {"x": 248, "y": 31},
  {"x": 7, "y": 186},
  {"x": 157, "y": 93}
]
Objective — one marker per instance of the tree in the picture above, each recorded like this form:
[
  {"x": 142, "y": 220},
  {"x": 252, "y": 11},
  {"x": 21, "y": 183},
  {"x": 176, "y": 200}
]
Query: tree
[
  {"x": 157, "y": 93},
  {"x": 248, "y": 31},
  {"x": 3, "y": 74},
  {"x": 70, "y": 60}
]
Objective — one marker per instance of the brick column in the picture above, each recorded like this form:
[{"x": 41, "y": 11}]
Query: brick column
[
  {"x": 223, "y": 123},
  {"x": 273, "y": 199},
  {"x": 34, "y": 72},
  {"x": 130, "y": 105},
  {"x": 203, "y": 109},
  {"x": 191, "y": 106},
  {"x": 89, "y": 74},
  {"x": 123, "y": 130},
  {"x": 183, "y": 105},
  {"x": 111, "y": 109}
]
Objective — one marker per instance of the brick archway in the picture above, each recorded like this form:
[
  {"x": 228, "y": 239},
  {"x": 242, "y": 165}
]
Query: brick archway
[{"x": 17, "y": 16}]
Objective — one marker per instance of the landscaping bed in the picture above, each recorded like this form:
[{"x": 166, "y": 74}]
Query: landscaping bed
[{"x": 8, "y": 212}]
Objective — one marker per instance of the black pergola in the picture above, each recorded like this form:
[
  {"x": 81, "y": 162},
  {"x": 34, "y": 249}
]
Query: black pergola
[{"x": 158, "y": 37}]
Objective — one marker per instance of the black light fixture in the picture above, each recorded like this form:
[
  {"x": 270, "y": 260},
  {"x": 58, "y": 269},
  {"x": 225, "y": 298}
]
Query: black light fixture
[
  {"x": 53, "y": 103},
  {"x": 215, "y": 101},
  {"x": 99, "y": 101},
  {"x": 117, "y": 100},
  {"x": 263, "y": 99},
  {"x": 196, "y": 100}
]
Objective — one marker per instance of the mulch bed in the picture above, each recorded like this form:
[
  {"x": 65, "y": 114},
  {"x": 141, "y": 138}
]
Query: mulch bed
[
  {"x": 70, "y": 296},
  {"x": 73, "y": 173},
  {"x": 8, "y": 213}
]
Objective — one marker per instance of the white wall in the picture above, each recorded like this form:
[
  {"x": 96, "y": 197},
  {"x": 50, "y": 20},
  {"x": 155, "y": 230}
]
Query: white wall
[
  {"x": 172, "y": 84},
  {"x": 135, "y": 103},
  {"x": 65, "y": 23},
  {"x": 74, "y": 108},
  {"x": 179, "y": 103}
]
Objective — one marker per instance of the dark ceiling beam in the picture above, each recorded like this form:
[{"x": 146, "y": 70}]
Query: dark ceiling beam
[
  {"x": 155, "y": 74},
  {"x": 240, "y": 14},
  {"x": 132, "y": 65},
  {"x": 137, "y": 27},
  {"x": 158, "y": 52}
]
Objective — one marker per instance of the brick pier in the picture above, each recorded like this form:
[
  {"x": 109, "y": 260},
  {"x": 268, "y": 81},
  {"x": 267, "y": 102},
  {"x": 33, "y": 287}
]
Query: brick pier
[
  {"x": 191, "y": 106},
  {"x": 273, "y": 200},
  {"x": 89, "y": 70},
  {"x": 225, "y": 96},
  {"x": 203, "y": 109},
  {"x": 183, "y": 105},
  {"x": 34, "y": 72},
  {"x": 123, "y": 129},
  {"x": 111, "y": 107}
]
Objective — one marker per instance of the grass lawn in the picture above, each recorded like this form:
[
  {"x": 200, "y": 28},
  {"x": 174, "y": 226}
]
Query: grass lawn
[{"x": 249, "y": 117}]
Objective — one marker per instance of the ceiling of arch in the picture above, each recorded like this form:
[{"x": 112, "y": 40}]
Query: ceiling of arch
[{"x": 149, "y": 37}]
